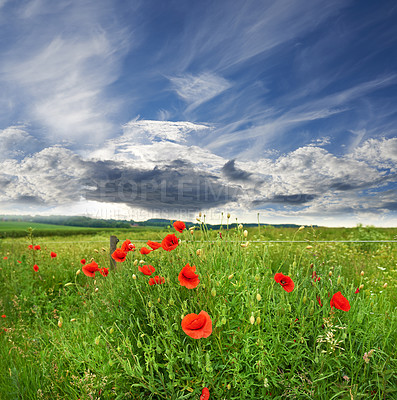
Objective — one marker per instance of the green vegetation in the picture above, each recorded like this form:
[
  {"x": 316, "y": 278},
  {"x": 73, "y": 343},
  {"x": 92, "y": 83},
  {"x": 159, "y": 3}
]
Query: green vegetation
[{"x": 68, "y": 336}]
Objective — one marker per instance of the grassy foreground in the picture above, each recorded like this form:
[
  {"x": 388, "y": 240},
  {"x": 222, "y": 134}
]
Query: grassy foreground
[{"x": 68, "y": 336}]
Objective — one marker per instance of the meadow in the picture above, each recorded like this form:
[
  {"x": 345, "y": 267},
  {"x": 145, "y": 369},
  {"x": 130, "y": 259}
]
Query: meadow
[{"x": 125, "y": 335}]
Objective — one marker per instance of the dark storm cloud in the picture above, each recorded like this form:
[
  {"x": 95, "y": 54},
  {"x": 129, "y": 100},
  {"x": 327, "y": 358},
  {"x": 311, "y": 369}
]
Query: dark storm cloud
[
  {"x": 294, "y": 199},
  {"x": 234, "y": 174},
  {"x": 173, "y": 186}
]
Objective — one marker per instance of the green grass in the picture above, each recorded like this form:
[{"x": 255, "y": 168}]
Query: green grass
[
  {"x": 122, "y": 339},
  {"x": 18, "y": 229}
]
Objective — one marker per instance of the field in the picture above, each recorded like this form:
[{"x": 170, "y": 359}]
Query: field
[{"x": 65, "y": 335}]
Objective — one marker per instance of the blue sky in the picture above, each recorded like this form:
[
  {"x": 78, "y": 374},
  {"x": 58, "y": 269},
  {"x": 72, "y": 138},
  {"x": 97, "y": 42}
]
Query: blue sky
[{"x": 146, "y": 109}]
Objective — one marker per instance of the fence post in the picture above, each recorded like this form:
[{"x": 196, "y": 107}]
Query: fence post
[{"x": 113, "y": 246}]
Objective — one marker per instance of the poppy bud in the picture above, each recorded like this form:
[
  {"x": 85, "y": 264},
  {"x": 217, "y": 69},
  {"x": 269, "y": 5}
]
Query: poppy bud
[
  {"x": 230, "y": 276},
  {"x": 198, "y": 252},
  {"x": 229, "y": 386},
  {"x": 158, "y": 300},
  {"x": 200, "y": 214},
  {"x": 97, "y": 339},
  {"x": 362, "y": 273},
  {"x": 385, "y": 286},
  {"x": 252, "y": 320},
  {"x": 198, "y": 219},
  {"x": 257, "y": 278},
  {"x": 60, "y": 322},
  {"x": 213, "y": 292},
  {"x": 330, "y": 273},
  {"x": 92, "y": 259},
  {"x": 258, "y": 320},
  {"x": 309, "y": 247},
  {"x": 361, "y": 286},
  {"x": 73, "y": 320},
  {"x": 191, "y": 231},
  {"x": 240, "y": 226},
  {"x": 245, "y": 233},
  {"x": 228, "y": 215},
  {"x": 171, "y": 302},
  {"x": 141, "y": 261},
  {"x": 339, "y": 280},
  {"x": 133, "y": 276},
  {"x": 301, "y": 228},
  {"x": 258, "y": 297},
  {"x": 96, "y": 250},
  {"x": 96, "y": 290},
  {"x": 149, "y": 304},
  {"x": 135, "y": 263},
  {"x": 111, "y": 330},
  {"x": 78, "y": 272},
  {"x": 304, "y": 299}
]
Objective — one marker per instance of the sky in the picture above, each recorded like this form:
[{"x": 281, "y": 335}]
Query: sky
[{"x": 278, "y": 111}]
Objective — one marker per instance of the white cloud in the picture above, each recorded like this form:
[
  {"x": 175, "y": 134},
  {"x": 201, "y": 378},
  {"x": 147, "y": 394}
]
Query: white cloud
[
  {"x": 60, "y": 74},
  {"x": 198, "y": 89}
]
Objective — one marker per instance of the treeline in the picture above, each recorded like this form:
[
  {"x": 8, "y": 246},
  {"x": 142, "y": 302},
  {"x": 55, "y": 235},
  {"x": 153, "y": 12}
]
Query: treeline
[
  {"x": 78, "y": 221},
  {"x": 87, "y": 222}
]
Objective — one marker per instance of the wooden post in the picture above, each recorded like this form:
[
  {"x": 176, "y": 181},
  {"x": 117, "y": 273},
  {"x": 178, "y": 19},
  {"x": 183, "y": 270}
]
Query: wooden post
[{"x": 113, "y": 246}]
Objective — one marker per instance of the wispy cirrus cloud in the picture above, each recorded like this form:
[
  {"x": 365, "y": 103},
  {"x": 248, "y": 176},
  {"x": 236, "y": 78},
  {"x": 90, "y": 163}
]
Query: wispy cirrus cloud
[
  {"x": 62, "y": 73},
  {"x": 198, "y": 89}
]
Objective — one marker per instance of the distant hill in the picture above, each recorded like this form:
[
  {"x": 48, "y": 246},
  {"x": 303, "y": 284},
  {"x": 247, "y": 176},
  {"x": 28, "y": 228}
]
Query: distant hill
[{"x": 87, "y": 222}]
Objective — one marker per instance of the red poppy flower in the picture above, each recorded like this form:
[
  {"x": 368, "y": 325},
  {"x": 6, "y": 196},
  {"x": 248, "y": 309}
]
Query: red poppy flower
[
  {"x": 119, "y": 255},
  {"x": 179, "y": 226},
  {"x": 319, "y": 301},
  {"x": 197, "y": 326},
  {"x": 35, "y": 267},
  {"x": 170, "y": 242},
  {"x": 153, "y": 245},
  {"x": 83, "y": 261},
  {"x": 90, "y": 269},
  {"x": 30, "y": 246},
  {"x": 315, "y": 277},
  {"x": 340, "y": 302},
  {"x": 5, "y": 258},
  {"x": 188, "y": 278},
  {"x": 37, "y": 247},
  {"x": 127, "y": 246},
  {"x": 147, "y": 269},
  {"x": 53, "y": 255},
  {"x": 19, "y": 262},
  {"x": 104, "y": 271},
  {"x": 3, "y": 316},
  {"x": 205, "y": 394},
  {"x": 357, "y": 290},
  {"x": 157, "y": 280},
  {"x": 285, "y": 281},
  {"x": 145, "y": 251}
]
